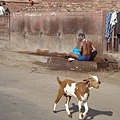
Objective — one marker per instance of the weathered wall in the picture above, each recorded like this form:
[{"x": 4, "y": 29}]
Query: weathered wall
[
  {"x": 4, "y": 32},
  {"x": 38, "y": 26},
  {"x": 54, "y": 31},
  {"x": 64, "y": 5},
  {"x": 4, "y": 27}
]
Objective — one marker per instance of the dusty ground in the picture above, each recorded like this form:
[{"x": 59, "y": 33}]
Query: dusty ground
[
  {"x": 28, "y": 90},
  {"x": 108, "y": 75}
]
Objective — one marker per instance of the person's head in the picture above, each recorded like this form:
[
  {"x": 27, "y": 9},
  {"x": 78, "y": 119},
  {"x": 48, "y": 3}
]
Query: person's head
[
  {"x": 3, "y": 3},
  {"x": 81, "y": 36}
]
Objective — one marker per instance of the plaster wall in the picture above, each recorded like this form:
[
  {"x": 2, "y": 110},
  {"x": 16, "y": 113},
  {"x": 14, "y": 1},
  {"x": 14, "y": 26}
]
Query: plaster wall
[{"x": 54, "y": 31}]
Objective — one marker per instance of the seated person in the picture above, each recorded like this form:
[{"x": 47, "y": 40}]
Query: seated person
[
  {"x": 7, "y": 11},
  {"x": 85, "y": 52},
  {"x": 31, "y": 2}
]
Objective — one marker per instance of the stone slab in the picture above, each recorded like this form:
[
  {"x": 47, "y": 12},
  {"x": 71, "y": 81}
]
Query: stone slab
[{"x": 55, "y": 63}]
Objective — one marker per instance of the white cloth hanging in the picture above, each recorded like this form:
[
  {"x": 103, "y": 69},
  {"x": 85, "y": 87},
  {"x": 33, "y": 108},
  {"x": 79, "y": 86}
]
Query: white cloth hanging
[{"x": 113, "y": 20}]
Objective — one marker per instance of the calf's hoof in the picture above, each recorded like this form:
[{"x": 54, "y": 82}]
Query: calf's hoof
[
  {"x": 81, "y": 117},
  {"x": 70, "y": 116},
  {"x": 54, "y": 111}
]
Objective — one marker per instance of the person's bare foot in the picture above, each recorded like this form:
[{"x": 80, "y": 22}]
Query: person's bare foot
[{"x": 71, "y": 59}]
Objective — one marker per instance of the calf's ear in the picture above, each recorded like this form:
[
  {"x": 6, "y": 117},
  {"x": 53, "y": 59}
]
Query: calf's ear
[
  {"x": 85, "y": 80},
  {"x": 87, "y": 83}
]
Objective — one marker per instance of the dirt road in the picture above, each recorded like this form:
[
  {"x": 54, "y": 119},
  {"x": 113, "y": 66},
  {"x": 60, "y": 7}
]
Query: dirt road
[{"x": 27, "y": 92}]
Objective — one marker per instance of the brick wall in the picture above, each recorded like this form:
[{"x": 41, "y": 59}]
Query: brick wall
[
  {"x": 64, "y": 5},
  {"x": 4, "y": 27}
]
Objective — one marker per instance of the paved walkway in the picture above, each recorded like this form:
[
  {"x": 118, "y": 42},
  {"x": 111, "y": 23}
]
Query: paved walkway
[{"x": 28, "y": 95}]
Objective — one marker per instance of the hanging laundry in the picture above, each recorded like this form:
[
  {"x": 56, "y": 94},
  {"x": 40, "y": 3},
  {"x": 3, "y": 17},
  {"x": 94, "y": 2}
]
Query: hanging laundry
[
  {"x": 118, "y": 24},
  {"x": 113, "y": 20},
  {"x": 109, "y": 27}
]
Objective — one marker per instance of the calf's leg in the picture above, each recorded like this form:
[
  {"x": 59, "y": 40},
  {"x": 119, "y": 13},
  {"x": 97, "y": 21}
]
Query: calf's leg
[
  {"x": 68, "y": 98},
  {"x": 80, "y": 110},
  {"x": 59, "y": 95},
  {"x": 86, "y": 109}
]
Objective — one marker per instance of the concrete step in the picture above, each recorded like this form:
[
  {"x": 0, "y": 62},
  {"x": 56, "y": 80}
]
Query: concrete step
[{"x": 55, "y": 62}]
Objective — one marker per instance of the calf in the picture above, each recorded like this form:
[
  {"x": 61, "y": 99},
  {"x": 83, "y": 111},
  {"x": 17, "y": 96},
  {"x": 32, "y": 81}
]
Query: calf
[{"x": 79, "y": 90}]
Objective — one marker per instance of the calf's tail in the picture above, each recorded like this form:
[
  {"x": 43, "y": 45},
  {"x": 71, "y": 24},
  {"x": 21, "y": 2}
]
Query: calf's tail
[{"x": 59, "y": 81}]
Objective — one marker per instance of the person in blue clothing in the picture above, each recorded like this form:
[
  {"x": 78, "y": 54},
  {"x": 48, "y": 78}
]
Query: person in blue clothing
[{"x": 85, "y": 50}]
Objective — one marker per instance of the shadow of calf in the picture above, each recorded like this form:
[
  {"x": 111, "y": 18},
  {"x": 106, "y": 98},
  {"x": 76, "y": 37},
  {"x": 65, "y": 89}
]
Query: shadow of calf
[{"x": 91, "y": 113}]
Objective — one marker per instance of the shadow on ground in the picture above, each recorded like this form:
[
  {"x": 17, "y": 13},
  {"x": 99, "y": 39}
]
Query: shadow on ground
[{"x": 91, "y": 113}]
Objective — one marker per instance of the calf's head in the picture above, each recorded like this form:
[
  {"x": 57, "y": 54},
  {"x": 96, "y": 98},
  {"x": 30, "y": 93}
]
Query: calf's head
[{"x": 93, "y": 82}]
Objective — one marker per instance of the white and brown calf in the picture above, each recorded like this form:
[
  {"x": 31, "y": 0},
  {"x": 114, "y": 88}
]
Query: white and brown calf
[{"x": 79, "y": 90}]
